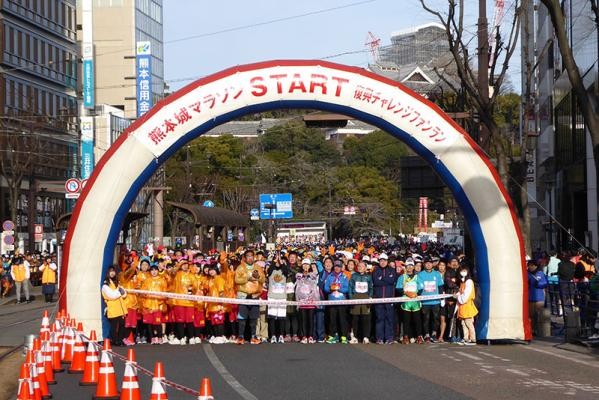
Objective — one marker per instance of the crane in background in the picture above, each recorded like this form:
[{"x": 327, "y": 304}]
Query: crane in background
[{"x": 373, "y": 43}]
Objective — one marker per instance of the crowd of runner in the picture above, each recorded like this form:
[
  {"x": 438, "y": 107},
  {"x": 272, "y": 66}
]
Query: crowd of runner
[{"x": 304, "y": 273}]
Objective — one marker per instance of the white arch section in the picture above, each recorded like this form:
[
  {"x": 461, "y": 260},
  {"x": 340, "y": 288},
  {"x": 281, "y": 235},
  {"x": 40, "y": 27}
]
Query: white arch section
[{"x": 211, "y": 101}]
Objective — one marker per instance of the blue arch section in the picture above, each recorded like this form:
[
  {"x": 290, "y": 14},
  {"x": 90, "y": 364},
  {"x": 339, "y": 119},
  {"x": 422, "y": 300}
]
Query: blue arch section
[{"x": 482, "y": 260}]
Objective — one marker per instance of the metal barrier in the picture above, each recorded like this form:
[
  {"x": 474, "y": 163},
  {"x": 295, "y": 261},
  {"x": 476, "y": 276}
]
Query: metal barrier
[{"x": 574, "y": 302}]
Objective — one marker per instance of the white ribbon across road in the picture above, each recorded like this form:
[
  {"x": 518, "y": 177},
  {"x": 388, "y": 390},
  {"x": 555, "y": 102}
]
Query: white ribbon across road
[{"x": 259, "y": 302}]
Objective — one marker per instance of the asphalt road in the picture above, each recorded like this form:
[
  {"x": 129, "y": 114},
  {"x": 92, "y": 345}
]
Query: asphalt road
[
  {"x": 541, "y": 370},
  {"x": 295, "y": 371}
]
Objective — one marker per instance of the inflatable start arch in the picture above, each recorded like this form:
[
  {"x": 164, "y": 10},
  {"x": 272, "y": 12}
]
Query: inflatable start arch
[{"x": 211, "y": 101}]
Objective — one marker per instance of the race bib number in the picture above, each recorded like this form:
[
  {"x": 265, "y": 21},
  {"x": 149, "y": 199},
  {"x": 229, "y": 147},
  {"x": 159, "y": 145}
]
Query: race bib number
[
  {"x": 278, "y": 289},
  {"x": 304, "y": 289},
  {"x": 430, "y": 286},
  {"x": 290, "y": 287},
  {"x": 411, "y": 287},
  {"x": 361, "y": 287}
]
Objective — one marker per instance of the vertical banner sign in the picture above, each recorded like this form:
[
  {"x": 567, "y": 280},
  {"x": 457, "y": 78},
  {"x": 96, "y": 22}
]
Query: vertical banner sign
[
  {"x": 143, "y": 73},
  {"x": 87, "y": 50},
  {"x": 87, "y": 147}
]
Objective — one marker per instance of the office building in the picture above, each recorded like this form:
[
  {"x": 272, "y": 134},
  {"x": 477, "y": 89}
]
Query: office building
[{"x": 39, "y": 132}]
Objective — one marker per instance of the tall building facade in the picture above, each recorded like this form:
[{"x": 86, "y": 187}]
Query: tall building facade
[
  {"x": 117, "y": 32},
  {"x": 418, "y": 45},
  {"x": 118, "y": 25},
  {"x": 38, "y": 103},
  {"x": 565, "y": 215}
]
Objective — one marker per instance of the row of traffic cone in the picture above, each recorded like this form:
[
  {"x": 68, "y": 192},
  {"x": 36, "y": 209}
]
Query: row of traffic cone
[{"x": 60, "y": 343}]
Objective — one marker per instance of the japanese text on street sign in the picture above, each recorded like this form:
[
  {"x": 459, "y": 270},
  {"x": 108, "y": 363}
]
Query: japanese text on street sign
[{"x": 143, "y": 67}]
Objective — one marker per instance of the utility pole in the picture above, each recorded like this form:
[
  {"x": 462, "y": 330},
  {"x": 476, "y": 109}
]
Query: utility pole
[{"x": 483, "y": 66}]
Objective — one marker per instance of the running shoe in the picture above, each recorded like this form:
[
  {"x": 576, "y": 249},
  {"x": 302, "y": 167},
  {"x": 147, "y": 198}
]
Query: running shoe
[
  {"x": 184, "y": 341},
  {"x": 255, "y": 340},
  {"x": 273, "y": 339},
  {"x": 143, "y": 340},
  {"x": 240, "y": 341},
  {"x": 470, "y": 343},
  {"x": 420, "y": 340},
  {"x": 380, "y": 342},
  {"x": 405, "y": 340},
  {"x": 353, "y": 340},
  {"x": 311, "y": 340},
  {"x": 366, "y": 340},
  {"x": 281, "y": 339},
  {"x": 304, "y": 341},
  {"x": 295, "y": 339},
  {"x": 332, "y": 340},
  {"x": 344, "y": 340},
  {"x": 287, "y": 338},
  {"x": 174, "y": 341}
]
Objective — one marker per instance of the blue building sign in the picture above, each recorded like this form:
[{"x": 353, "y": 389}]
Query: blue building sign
[
  {"x": 276, "y": 206},
  {"x": 87, "y": 147},
  {"x": 143, "y": 73},
  {"x": 88, "y": 84}
]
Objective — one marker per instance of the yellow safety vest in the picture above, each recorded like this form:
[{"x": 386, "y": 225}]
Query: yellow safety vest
[
  {"x": 114, "y": 308},
  {"x": 48, "y": 275},
  {"x": 19, "y": 272}
]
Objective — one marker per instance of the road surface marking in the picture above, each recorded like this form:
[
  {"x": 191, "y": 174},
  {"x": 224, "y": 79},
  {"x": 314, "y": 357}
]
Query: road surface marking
[
  {"x": 517, "y": 372},
  {"x": 222, "y": 370},
  {"x": 587, "y": 363},
  {"x": 494, "y": 356},
  {"x": 470, "y": 356}
]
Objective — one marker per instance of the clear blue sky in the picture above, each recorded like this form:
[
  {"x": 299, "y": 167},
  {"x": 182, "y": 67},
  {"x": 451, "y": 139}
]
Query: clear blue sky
[{"x": 316, "y": 36}]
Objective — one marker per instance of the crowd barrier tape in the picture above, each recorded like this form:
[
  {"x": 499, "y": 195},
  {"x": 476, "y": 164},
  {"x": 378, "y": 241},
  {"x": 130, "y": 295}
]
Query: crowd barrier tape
[{"x": 271, "y": 302}]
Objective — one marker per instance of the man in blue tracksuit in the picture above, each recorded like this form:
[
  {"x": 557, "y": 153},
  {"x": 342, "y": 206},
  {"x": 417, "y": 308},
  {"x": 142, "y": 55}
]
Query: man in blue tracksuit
[{"x": 383, "y": 280}]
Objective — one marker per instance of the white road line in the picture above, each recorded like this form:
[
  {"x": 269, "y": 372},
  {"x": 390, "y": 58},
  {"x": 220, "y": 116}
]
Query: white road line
[
  {"x": 470, "y": 356},
  {"x": 222, "y": 370},
  {"x": 517, "y": 372},
  {"x": 587, "y": 363}
]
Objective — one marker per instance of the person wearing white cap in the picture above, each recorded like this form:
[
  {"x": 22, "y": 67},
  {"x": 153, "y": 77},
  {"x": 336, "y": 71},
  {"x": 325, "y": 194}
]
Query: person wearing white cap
[{"x": 306, "y": 290}]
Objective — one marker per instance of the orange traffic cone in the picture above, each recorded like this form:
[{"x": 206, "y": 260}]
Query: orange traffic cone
[
  {"x": 47, "y": 359},
  {"x": 107, "y": 380},
  {"x": 25, "y": 391},
  {"x": 130, "y": 388},
  {"x": 29, "y": 360},
  {"x": 131, "y": 356},
  {"x": 131, "y": 338},
  {"x": 45, "y": 323},
  {"x": 158, "y": 386},
  {"x": 205, "y": 390},
  {"x": 55, "y": 349},
  {"x": 38, "y": 357},
  {"x": 67, "y": 344},
  {"x": 92, "y": 366},
  {"x": 78, "y": 362}
]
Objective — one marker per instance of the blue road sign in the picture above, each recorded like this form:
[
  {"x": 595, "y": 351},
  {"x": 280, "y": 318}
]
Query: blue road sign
[{"x": 276, "y": 206}]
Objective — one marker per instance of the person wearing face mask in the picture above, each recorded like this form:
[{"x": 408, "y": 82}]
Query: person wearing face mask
[
  {"x": 466, "y": 308},
  {"x": 116, "y": 310}
]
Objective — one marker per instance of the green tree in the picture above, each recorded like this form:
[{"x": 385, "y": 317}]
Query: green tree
[{"x": 378, "y": 150}]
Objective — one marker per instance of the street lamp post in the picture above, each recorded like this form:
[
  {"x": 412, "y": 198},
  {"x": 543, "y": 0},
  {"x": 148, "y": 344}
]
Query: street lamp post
[{"x": 270, "y": 207}]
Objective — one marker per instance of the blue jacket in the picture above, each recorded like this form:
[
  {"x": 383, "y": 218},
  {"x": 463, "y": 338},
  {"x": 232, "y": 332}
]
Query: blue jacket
[
  {"x": 343, "y": 283},
  {"x": 383, "y": 280},
  {"x": 537, "y": 282}
]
